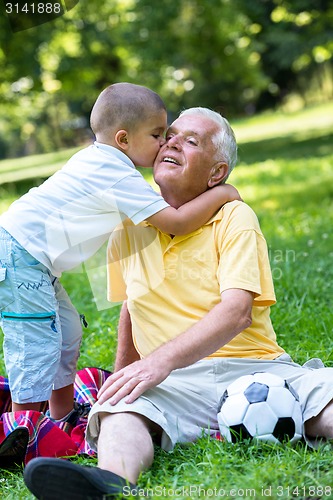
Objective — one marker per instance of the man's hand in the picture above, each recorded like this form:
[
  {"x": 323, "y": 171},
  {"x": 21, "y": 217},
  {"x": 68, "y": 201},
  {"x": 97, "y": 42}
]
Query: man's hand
[
  {"x": 227, "y": 318},
  {"x": 132, "y": 381}
]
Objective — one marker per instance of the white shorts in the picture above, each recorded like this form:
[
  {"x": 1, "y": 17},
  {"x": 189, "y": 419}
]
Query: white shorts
[{"x": 186, "y": 404}]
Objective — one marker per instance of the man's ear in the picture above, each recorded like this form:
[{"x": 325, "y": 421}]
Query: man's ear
[
  {"x": 217, "y": 174},
  {"x": 121, "y": 139}
]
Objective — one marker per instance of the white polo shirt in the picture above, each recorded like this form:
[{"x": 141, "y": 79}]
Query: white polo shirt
[{"x": 67, "y": 219}]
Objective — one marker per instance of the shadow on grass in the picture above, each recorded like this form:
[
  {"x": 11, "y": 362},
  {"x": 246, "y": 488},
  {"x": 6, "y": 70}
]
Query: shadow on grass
[
  {"x": 316, "y": 144},
  {"x": 304, "y": 198},
  {"x": 287, "y": 172}
]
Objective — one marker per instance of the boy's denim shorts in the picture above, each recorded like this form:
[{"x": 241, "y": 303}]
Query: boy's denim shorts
[{"x": 42, "y": 329}]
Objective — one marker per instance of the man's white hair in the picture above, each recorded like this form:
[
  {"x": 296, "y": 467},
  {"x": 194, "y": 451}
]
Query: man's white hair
[{"x": 224, "y": 139}]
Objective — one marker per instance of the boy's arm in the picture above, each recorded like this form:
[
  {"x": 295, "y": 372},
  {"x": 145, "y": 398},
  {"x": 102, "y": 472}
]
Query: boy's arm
[{"x": 193, "y": 214}]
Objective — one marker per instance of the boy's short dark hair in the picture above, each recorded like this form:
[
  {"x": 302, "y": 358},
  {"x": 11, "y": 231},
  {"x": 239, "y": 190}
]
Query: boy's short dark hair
[{"x": 123, "y": 106}]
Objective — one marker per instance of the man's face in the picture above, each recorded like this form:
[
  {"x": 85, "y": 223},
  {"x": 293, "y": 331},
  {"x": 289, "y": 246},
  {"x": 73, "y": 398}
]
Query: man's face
[{"x": 184, "y": 164}]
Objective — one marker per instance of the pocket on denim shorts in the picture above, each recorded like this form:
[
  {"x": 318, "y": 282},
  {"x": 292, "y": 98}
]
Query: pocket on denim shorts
[
  {"x": 48, "y": 317},
  {"x": 22, "y": 258},
  {"x": 27, "y": 339},
  {"x": 6, "y": 293},
  {"x": 3, "y": 272},
  {"x": 13, "y": 322}
]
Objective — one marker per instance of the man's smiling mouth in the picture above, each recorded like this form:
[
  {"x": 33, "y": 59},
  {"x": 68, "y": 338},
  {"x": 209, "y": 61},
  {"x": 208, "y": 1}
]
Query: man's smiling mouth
[{"x": 168, "y": 159}]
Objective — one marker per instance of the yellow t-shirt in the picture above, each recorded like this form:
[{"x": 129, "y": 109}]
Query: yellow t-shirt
[{"x": 172, "y": 283}]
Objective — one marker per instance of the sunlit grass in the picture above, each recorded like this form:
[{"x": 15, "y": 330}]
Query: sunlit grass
[
  {"x": 34, "y": 166},
  {"x": 282, "y": 124}
]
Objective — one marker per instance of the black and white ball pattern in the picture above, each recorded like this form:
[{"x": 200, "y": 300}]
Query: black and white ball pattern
[{"x": 261, "y": 406}]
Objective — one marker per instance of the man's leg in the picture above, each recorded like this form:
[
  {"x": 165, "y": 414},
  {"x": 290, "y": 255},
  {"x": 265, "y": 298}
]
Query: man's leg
[
  {"x": 125, "y": 445},
  {"x": 322, "y": 424},
  {"x": 125, "y": 448}
]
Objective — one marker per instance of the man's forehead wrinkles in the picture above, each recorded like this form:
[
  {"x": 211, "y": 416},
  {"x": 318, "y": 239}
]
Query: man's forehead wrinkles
[{"x": 174, "y": 129}]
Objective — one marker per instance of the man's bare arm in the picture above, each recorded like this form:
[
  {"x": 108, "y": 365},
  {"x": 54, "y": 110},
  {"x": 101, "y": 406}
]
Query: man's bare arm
[
  {"x": 126, "y": 352},
  {"x": 228, "y": 318}
]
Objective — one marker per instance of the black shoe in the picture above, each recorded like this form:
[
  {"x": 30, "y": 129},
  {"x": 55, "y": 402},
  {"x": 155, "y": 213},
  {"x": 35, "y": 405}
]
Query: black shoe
[
  {"x": 58, "y": 479},
  {"x": 13, "y": 448},
  {"x": 80, "y": 410}
]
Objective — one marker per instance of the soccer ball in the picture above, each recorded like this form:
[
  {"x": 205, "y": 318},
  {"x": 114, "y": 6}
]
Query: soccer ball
[{"x": 261, "y": 406}]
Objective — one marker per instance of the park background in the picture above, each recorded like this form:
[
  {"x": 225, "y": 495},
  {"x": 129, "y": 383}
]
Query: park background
[{"x": 267, "y": 66}]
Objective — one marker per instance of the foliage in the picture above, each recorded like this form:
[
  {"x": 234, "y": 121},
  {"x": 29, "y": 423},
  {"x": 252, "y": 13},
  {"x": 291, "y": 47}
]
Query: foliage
[
  {"x": 235, "y": 56},
  {"x": 285, "y": 174},
  {"x": 293, "y": 38}
]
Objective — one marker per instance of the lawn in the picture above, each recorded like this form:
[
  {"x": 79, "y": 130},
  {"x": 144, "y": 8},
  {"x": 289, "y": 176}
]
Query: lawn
[{"x": 285, "y": 173}]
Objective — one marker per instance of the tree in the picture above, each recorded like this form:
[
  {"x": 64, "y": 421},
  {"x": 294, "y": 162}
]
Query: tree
[
  {"x": 232, "y": 55},
  {"x": 294, "y": 38}
]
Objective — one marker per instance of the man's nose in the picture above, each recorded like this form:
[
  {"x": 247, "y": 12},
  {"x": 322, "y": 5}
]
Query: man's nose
[{"x": 173, "y": 142}]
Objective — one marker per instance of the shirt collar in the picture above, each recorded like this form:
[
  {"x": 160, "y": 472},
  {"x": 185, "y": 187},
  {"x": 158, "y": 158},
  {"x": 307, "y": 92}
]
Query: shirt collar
[
  {"x": 106, "y": 148},
  {"x": 217, "y": 216}
]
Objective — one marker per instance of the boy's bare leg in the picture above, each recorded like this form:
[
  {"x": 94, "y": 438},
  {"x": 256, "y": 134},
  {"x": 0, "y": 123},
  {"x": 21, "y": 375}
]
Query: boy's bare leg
[
  {"x": 61, "y": 402},
  {"x": 26, "y": 406},
  {"x": 125, "y": 446}
]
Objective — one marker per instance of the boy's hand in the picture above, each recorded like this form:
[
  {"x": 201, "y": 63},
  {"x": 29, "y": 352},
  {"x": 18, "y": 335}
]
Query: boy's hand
[{"x": 229, "y": 192}]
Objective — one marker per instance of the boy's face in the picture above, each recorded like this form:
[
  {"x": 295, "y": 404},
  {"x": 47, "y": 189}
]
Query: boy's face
[{"x": 145, "y": 142}]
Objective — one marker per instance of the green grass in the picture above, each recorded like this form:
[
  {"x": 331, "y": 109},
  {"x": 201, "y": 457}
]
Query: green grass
[
  {"x": 33, "y": 167},
  {"x": 285, "y": 173}
]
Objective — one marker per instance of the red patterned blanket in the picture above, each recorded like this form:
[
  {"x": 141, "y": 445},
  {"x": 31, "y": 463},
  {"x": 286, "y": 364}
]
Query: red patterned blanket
[{"x": 28, "y": 434}]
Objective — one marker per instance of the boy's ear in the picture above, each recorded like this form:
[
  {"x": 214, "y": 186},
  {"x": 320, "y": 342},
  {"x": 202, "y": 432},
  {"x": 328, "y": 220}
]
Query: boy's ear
[
  {"x": 121, "y": 139},
  {"x": 217, "y": 174}
]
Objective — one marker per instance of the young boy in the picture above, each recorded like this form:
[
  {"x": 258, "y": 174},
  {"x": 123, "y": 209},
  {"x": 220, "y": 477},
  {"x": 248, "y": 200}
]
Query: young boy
[{"x": 63, "y": 222}]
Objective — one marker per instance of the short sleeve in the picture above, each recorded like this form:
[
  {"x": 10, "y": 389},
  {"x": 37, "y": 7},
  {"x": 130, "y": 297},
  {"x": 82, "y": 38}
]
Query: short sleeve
[
  {"x": 135, "y": 198},
  {"x": 244, "y": 261},
  {"x": 116, "y": 287}
]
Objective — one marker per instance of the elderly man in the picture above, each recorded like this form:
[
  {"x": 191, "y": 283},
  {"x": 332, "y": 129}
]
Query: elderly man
[{"x": 196, "y": 318}]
